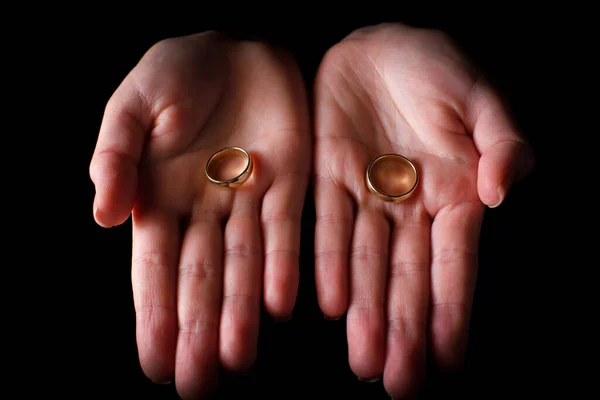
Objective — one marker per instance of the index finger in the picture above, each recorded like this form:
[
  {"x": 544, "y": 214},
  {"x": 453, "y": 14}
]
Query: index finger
[{"x": 454, "y": 241}]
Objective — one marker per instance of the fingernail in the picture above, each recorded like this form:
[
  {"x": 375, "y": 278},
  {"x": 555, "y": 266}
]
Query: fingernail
[
  {"x": 500, "y": 197},
  {"x": 162, "y": 382},
  {"x": 331, "y": 318},
  {"x": 369, "y": 380}
]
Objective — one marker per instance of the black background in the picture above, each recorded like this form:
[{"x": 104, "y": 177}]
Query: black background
[{"x": 79, "y": 331}]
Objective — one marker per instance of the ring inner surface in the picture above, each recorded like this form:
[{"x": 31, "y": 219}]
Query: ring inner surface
[
  {"x": 227, "y": 165},
  {"x": 393, "y": 176}
]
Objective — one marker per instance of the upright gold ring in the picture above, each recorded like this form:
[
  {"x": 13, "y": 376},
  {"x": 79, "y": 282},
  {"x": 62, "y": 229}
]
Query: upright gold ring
[
  {"x": 392, "y": 177},
  {"x": 230, "y": 167}
]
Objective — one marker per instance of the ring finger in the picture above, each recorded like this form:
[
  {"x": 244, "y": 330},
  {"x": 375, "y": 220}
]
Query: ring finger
[{"x": 366, "y": 313}]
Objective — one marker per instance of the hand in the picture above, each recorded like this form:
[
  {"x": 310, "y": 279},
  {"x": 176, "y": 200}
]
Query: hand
[
  {"x": 405, "y": 272},
  {"x": 204, "y": 256}
]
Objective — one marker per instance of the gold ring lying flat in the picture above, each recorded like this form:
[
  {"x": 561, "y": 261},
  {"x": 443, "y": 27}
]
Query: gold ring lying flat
[
  {"x": 392, "y": 177},
  {"x": 229, "y": 167}
]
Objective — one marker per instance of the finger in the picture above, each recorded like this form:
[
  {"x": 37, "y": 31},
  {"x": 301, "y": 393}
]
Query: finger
[
  {"x": 114, "y": 165},
  {"x": 281, "y": 217},
  {"x": 455, "y": 238},
  {"x": 407, "y": 305},
  {"x": 506, "y": 156},
  {"x": 366, "y": 312},
  {"x": 333, "y": 234},
  {"x": 242, "y": 285},
  {"x": 199, "y": 306},
  {"x": 155, "y": 255}
]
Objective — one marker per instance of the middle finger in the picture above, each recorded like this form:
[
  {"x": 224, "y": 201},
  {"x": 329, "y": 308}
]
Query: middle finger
[
  {"x": 407, "y": 305},
  {"x": 199, "y": 304},
  {"x": 242, "y": 285}
]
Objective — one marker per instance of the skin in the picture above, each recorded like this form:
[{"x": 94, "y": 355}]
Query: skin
[
  {"x": 404, "y": 273},
  {"x": 204, "y": 256}
]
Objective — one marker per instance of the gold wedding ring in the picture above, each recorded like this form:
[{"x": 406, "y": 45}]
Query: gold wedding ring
[
  {"x": 229, "y": 167},
  {"x": 392, "y": 177}
]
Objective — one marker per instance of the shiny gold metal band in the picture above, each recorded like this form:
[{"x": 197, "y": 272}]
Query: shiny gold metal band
[
  {"x": 234, "y": 174},
  {"x": 392, "y": 177}
]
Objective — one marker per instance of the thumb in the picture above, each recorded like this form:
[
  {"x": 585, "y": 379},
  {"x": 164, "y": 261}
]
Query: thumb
[
  {"x": 501, "y": 165},
  {"x": 114, "y": 165},
  {"x": 506, "y": 156}
]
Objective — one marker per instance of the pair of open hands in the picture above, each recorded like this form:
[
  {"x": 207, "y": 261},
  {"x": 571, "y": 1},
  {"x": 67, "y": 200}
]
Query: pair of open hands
[{"x": 205, "y": 258}]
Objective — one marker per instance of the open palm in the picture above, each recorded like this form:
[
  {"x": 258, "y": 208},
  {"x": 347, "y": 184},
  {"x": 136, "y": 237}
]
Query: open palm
[
  {"x": 205, "y": 256},
  {"x": 405, "y": 272}
]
